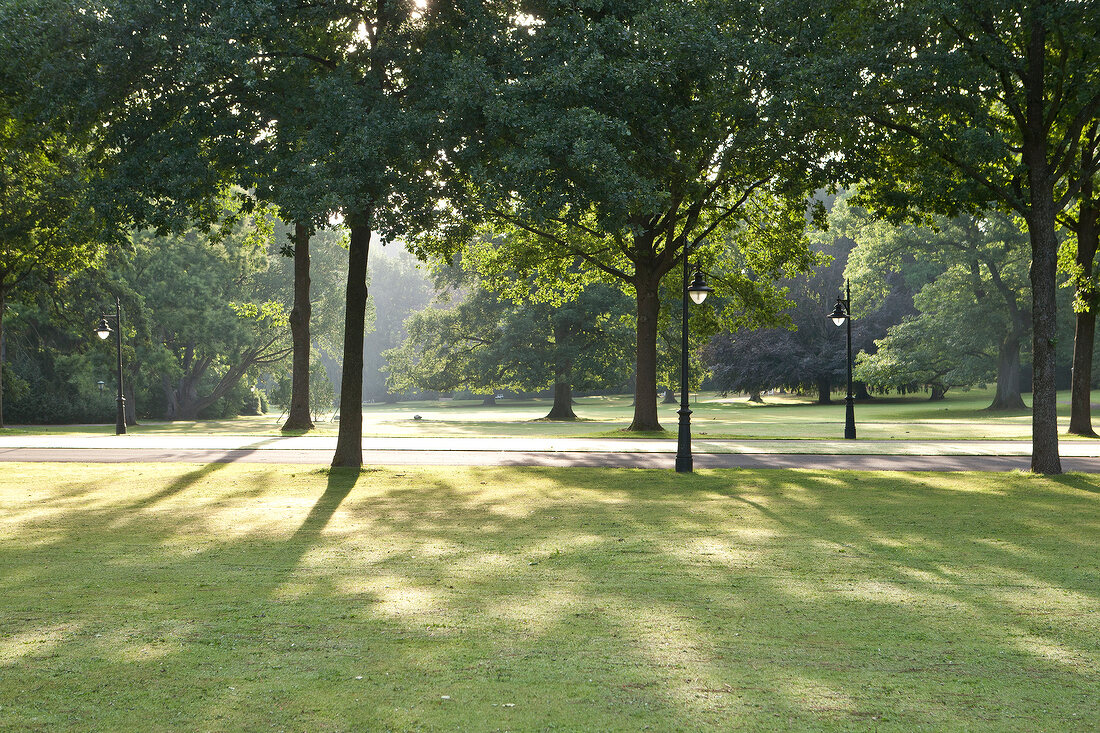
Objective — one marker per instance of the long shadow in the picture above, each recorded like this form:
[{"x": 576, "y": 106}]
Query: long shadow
[
  {"x": 1076, "y": 482},
  {"x": 340, "y": 483},
  {"x": 189, "y": 479},
  {"x": 787, "y": 609}
]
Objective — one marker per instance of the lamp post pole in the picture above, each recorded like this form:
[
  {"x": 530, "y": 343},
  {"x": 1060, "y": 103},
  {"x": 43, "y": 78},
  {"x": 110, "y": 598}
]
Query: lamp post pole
[
  {"x": 697, "y": 291},
  {"x": 849, "y": 401},
  {"x": 842, "y": 315},
  {"x": 103, "y": 330},
  {"x": 120, "y": 418},
  {"x": 684, "y": 462}
]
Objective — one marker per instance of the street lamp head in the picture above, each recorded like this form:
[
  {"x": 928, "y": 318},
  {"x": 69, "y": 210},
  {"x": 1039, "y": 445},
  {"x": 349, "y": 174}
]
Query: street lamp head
[
  {"x": 101, "y": 384},
  {"x": 840, "y": 313},
  {"x": 699, "y": 290},
  {"x": 103, "y": 330}
]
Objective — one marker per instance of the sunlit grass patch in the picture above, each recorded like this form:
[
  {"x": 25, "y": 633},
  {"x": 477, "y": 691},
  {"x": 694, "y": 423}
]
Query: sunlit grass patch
[
  {"x": 961, "y": 416},
  {"x": 241, "y": 597}
]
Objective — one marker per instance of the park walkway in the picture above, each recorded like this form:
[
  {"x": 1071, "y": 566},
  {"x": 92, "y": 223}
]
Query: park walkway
[{"x": 877, "y": 455}]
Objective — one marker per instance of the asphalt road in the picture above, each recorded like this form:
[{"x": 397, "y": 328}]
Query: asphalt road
[{"x": 621, "y": 459}]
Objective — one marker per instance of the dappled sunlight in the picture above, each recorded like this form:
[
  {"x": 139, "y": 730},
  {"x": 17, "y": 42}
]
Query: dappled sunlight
[
  {"x": 813, "y": 695},
  {"x": 672, "y": 649},
  {"x": 39, "y": 641},
  {"x": 713, "y": 551},
  {"x": 1049, "y": 650},
  {"x": 541, "y": 611},
  {"x": 397, "y": 597},
  {"x": 143, "y": 645},
  {"x": 884, "y": 592},
  {"x": 810, "y": 598}
]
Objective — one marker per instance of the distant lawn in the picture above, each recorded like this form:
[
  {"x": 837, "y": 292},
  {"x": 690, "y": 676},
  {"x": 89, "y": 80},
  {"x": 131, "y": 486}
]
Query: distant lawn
[
  {"x": 959, "y": 417},
  {"x": 243, "y": 597}
]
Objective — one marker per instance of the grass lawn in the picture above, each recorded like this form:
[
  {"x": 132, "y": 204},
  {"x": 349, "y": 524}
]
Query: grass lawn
[
  {"x": 233, "y": 597},
  {"x": 960, "y": 417}
]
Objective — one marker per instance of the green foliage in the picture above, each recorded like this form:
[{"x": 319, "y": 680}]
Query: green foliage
[
  {"x": 973, "y": 308},
  {"x": 479, "y": 340},
  {"x": 200, "y": 314},
  {"x": 322, "y": 396}
]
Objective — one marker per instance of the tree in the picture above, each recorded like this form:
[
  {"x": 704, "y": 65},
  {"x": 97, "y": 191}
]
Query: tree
[
  {"x": 623, "y": 137},
  {"x": 485, "y": 342},
  {"x": 806, "y": 351},
  {"x": 399, "y": 288},
  {"x": 971, "y": 272},
  {"x": 201, "y": 320},
  {"x": 975, "y": 103},
  {"x": 1083, "y": 223},
  {"x": 46, "y": 223}
]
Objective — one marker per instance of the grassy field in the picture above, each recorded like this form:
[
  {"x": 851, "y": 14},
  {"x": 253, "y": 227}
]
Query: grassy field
[
  {"x": 960, "y": 417},
  {"x": 235, "y": 597}
]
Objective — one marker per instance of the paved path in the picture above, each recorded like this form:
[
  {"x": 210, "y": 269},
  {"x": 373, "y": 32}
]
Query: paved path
[{"x": 639, "y": 453}]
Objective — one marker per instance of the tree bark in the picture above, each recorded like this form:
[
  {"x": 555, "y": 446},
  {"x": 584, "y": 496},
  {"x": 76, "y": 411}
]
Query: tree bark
[
  {"x": 1084, "y": 335},
  {"x": 563, "y": 402},
  {"x": 756, "y": 397},
  {"x": 824, "y": 391},
  {"x": 299, "y": 417},
  {"x": 939, "y": 392},
  {"x": 645, "y": 387},
  {"x": 1044, "y": 254},
  {"x": 670, "y": 398},
  {"x": 349, "y": 441},
  {"x": 490, "y": 400},
  {"x": 1008, "y": 395}
]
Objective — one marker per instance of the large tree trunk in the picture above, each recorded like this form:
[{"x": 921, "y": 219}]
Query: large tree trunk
[
  {"x": 1084, "y": 335},
  {"x": 349, "y": 441},
  {"x": 1044, "y": 414},
  {"x": 645, "y": 387},
  {"x": 300, "y": 313},
  {"x": 1044, "y": 255},
  {"x": 824, "y": 391},
  {"x": 563, "y": 402},
  {"x": 1008, "y": 395},
  {"x": 563, "y": 375},
  {"x": 670, "y": 397},
  {"x": 939, "y": 392}
]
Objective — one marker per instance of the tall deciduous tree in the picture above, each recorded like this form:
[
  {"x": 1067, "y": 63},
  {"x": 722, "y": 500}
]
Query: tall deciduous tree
[
  {"x": 982, "y": 101},
  {"x": 626, "y": 137}
]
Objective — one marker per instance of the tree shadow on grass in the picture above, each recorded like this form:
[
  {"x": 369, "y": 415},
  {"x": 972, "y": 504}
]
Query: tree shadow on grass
[{"x": 591, "y": 599}]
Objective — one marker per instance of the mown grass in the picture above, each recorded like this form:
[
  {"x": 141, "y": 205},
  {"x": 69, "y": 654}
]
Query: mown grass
[
  {"x": 962, "y": 416},
  {"x": 244, "y": 597}
]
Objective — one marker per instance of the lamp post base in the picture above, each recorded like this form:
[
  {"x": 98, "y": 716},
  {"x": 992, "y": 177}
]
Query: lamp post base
[
  {"x": 849, "y": 418},
  {"x": 120, "y": 418},
  {"x": 684, "y": 462}
]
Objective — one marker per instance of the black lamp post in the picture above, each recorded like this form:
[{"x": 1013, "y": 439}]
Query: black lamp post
[
  {"x": 103, "y": 330},
  {"x": 842, "y": 313},
  {"x": 697, "y": 291}
]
